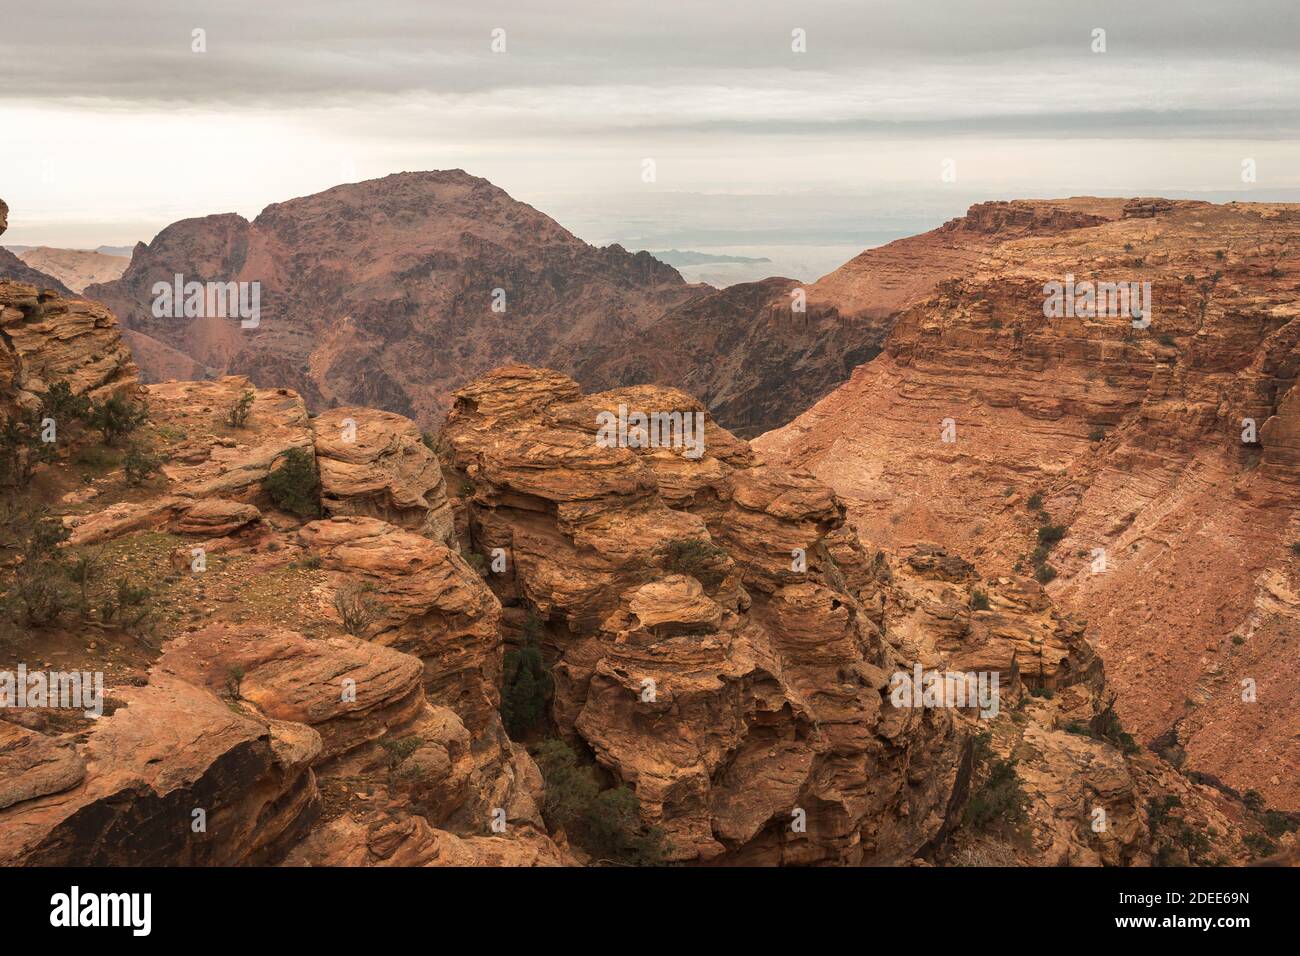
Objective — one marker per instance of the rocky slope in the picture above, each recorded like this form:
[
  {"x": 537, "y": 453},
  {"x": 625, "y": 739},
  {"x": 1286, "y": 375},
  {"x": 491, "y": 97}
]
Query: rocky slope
[
  {"x": 1128, "y": 439},
  {"x": 759, "y": 353}
]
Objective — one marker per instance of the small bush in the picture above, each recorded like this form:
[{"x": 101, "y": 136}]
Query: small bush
[
  {"x": 38, "y": 592},
  {"x": 999, "y": 801},
  {"x": 1259, "y": 845},
  {"x": 1051, "y": 533},
  {"x": 399, "y": 750},
  {"x": 356, "y": 610},
  {"x": 1158, "y": 809},
  {"x": 127, "y": 605},
  {"x": 979, "y": 600},
  {"x": 237, "y": 416},
  {"x": 140, "y": 463},
  {"x": 115, "y": 417},
  {"x": 22, "y": 448},
  {"x": 1097, "y": 434},
  {"x": 526, "y": 686},
  {"x": 1295, "y": 548},
  {"x": 605, "y": 823},
  {"x": 1045, "y": 574},
  {"x": 294, "y": 486},
  {"x": 234, "y": 682},
  {"x": 64, "y": 405},
  {"x": 1035, "y": 501},
  {"x": 81, "y": 571}
]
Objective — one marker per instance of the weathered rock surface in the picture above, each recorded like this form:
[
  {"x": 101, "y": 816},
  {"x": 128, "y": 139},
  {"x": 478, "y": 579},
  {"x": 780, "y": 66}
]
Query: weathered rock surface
[
  {"x": 1133, "y": 437},
  {"x": 376, "y": 463},
  {"x": 173, "y": 749},
  {"x": 767, "y": 683},
  {"x": 425, "y": 601}
]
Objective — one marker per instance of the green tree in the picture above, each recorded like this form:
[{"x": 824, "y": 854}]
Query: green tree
[
  {"x": 115, "y": 417},
  {"x": 294, "y": 485}
]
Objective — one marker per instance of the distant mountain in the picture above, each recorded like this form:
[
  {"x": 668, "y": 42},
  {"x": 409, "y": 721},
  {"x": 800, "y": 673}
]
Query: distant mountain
[
  {"x": 393, "y": 292},
  {"x": 11, "y": 267},
  {"x": 677, "y": 258},
  {"x": 75, "y": 268}
]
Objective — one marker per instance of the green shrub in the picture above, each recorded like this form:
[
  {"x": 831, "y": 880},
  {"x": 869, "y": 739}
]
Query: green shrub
[
  {"x": 999, "y": 802},
  {"x": 1097, "y": 434},
  {"x": 1051, "y": 533},
  {"x": 64, "y": 405},
  {"x": 1295, "y": 548},
  {"x": 1158, "y": 809},
  {"x": 237, "y": 415},
  {"x": 140, "y": 463},
  {"x": 22, "y": 448},
  {"x": 1045, "y": 574},
  {"x": 1035, "y": 501},
  {"x": 979, "y": 600},
  {"x": 128, "y": 605},
  {"x": 1259, "y": 845},
  {"x": 294, "y": 486},
  {"x": 605, "y": 823},
  {"x": 115, "y": 417},
  {"x": 399, "y": 750},
  {"x": 526, "y": 687},
  {"x": 81, "y": 571},
  {"x": 38, "y": 591}
]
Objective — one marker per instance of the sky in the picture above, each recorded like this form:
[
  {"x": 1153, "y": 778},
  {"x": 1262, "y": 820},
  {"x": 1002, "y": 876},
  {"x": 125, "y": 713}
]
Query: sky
[{"x": 113, "y": 124}]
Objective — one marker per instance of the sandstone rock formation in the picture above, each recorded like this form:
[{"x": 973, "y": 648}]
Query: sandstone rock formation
[
  {"x": 376, "y": 463},
  {"x": 45, "y": 338},
  {"x": 1132, "y": 439},
  {"x": 766, "y": 682}
]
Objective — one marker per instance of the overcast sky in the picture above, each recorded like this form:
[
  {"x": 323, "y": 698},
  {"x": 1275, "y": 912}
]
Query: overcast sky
[{"x": 112, "y": 126}]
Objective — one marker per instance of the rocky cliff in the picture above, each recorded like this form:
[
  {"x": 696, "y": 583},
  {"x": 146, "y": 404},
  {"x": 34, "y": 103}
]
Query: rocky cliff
[{"x": 1148, "y": 472}]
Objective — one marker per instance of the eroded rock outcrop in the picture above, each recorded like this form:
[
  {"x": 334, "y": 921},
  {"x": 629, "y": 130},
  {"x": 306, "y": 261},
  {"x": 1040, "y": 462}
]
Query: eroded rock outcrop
[
  {"x": 1162, "y": 458},
  {"x": 733, "y": 693}
]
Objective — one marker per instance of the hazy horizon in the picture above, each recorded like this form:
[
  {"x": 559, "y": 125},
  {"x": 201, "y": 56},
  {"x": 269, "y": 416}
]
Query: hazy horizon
[{"x": 754, "y": 145}]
